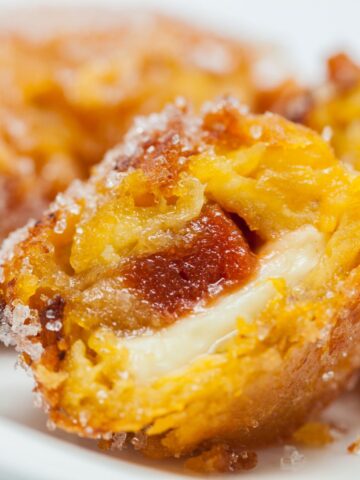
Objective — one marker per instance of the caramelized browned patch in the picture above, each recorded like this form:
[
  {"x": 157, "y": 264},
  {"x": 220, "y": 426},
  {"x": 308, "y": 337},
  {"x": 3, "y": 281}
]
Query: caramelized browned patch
[
  {"x": 221, "y": 127},
  {"x": 159, "y": 156},
  {"x": 51, "y": 317},
  {"x": 210, "y": 256}
]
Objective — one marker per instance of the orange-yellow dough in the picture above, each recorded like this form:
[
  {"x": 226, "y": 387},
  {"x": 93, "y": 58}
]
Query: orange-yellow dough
[
  {"x": 69, "y": 92},
  {"x": 199, "y": 294}
]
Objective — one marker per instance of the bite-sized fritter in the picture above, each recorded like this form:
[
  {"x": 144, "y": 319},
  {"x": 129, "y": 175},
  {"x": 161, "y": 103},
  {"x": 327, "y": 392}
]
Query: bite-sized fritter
[
  {"x": 70, "y": 92},
  {"x": 198, "y": 295}
]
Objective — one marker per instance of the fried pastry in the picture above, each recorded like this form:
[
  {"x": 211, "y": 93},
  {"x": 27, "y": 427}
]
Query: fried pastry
[
  {"x": 71, "y": 93},
  {"x": 198, "y": 295}
]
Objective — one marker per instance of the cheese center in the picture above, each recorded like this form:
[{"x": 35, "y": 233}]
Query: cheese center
[{"x": 290, "y": 258}]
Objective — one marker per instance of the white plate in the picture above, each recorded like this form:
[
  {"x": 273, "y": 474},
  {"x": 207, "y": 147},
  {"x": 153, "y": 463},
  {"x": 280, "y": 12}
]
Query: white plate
[
  {"x": 309, "y": 30},
  {"x": 29, "y": 451}
]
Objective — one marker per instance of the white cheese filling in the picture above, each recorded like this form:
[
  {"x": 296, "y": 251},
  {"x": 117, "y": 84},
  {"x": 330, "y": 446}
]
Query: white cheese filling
[{"x": 290, "y": 258}]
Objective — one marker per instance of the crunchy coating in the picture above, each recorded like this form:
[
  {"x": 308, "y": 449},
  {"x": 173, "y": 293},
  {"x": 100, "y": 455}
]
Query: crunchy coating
[
  {"x": 61, "y": 283},
  {"x": 70, "y": 92}
]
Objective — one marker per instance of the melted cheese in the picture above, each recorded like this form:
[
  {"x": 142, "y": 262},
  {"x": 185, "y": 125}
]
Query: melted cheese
[{"x": 291, "y": 258}]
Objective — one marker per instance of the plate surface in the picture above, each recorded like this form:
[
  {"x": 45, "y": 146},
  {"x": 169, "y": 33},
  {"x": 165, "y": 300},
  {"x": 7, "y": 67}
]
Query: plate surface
[
  {"x": 307, "y": 31},
  {"x": 29, "y": 451}
]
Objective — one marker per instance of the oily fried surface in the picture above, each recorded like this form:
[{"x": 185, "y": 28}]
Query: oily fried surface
[
  {"x": 70, "y": 92},
  {"x": 71, "y": 288}
]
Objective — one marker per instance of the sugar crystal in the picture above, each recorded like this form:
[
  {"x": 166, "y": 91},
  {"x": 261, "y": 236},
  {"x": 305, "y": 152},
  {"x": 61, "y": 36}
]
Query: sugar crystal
[
  {"x": 54, "y": 326},
  {"x": 118, "y": 441},
  {"x": 292, "y": 459},
  {"x": 256, "y": 132}
]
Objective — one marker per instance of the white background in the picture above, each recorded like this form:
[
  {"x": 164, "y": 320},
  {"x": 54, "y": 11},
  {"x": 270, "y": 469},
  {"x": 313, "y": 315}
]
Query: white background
[{"x": 308, "y": 30}]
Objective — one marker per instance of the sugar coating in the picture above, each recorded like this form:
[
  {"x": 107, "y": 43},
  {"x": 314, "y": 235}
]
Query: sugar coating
[
  {"x": 16, "y": 325},
  {"x": 13, "y": 330},
  {"x": 170, "y": 168},
  {"x": 16, "y": 237}
]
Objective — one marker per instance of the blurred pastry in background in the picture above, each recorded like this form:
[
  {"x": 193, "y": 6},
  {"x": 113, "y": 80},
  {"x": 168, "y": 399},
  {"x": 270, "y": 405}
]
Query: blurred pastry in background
[
  {"x": 71, "y": 87},
  {"x": 336, "y": 109},
  {"x": 333, "y": 109}
]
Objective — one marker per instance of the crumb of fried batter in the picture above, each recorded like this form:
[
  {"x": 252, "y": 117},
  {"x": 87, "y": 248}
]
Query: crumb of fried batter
[
  {"x": 314, "y": 434},
  {"x": 222, "y": 458},
  {"x": 354, "y": 447}
]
